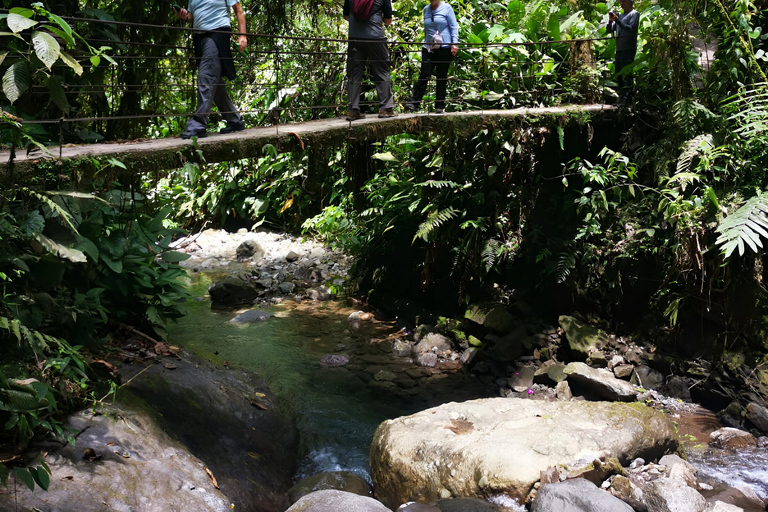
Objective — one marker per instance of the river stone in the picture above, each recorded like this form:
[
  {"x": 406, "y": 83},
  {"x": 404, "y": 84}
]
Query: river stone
[
  {"x": 336, "y": 501},
  {"x": 339, "y": 480},
  {"x": 433, "y": 340},
  {"x": 321, "y": 293},
  {"x": 250, "y": 316},
  {"x": 510, "y": 347},
  {"x": 141, "y": 466},
  {"x": 648, "y": 378},
  {"x": 599, "y": 382},
  {"x": 333, "y": 360},
  {"x": 623, "y": 371},
  {"x": 522, "y": 379},
  {"x": 758, "y": 415},
  {"x": 563, "y": 391},
  {"x": 719, "y": 506},
  {"x": 494, "y": 317},
  {"x": 291, "y": 256},
  {"x": 582, "y": 338},
  {"x": 550, "y": 375},
  {"x": 249, "y": 249},
  {"x": 577, "y": 495},
  {"x": 429, "y": 360},
  {"x": 728, "y": 438},
  {"x": 286, "y": 287},
  {"x": 672, "y": 495},
  {"x": 402, "y": 348},
  {"x": 232, "y": 291},
  {"x": 501, "y": 445}
]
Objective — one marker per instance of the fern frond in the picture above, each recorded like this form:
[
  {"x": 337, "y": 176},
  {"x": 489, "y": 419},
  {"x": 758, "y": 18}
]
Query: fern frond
[
  {"x": 692, "y": 148},
  {"x": 55, "y": 208},
  {"x": 749, "y": 111},
  {"x": 434, "y": 220},
  {"x": 745, "y": 226},
  {"x": 565, "y": 262},
  {"x": 490, "y": 254},
  {"x": 689, "y": 114},
  {"x": 438, "y": 184},
  {"x": 684, "y": 179}
]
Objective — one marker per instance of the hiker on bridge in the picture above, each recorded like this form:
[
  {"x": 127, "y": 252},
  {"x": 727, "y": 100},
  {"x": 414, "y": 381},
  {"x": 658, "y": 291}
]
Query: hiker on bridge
[
  {"x": 441, "y": 38},
  {"x": 368, "y": 44},
  {"x": 214, "y": 58},
  {"x": 625, "y": 27}
]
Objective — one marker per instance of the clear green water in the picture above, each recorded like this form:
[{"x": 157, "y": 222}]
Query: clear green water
[{"x": 336, "y": 413}]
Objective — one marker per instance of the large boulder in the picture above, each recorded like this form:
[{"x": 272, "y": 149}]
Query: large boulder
[
  {"x": 672, "y": 495},
  {"x": 494, "y": 317},
  {"x": 333, "y": 501},
  {"x": 582, "y": 338},
  {"x": 231, "y": 292},
  {"x": 758, "y": 415},
  {"x": 501, "y": 445},
  {"x": 577, "y": 495},
  {"x": 598, "y": 383}
]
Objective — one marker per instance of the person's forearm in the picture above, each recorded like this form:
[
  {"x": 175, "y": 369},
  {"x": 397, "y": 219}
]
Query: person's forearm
[{"x": 241, "y": 22}]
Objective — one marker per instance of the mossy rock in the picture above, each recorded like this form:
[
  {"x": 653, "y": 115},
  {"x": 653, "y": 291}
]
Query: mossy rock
[
  {"x": 582, "y": 338},
  {"x": 494, "y": 317}
]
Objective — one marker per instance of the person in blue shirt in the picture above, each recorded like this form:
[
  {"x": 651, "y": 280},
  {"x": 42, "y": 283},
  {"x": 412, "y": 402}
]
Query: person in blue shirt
[
  {"x": 625, "y": 27},
  {"x": 436, "y": 54},
  {"x": 211, "y": 20}
]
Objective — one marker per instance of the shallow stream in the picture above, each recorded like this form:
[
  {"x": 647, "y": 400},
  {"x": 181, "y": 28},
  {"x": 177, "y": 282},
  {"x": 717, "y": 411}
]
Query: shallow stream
[{"x": 336, "y": 409}]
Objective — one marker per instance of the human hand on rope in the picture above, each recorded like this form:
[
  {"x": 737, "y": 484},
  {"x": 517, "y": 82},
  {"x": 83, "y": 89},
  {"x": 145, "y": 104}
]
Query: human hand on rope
[
  {"x": 454, "y": 49},
  {"x": 242, "y": 42},
  {"x": 183, "y": 14}
]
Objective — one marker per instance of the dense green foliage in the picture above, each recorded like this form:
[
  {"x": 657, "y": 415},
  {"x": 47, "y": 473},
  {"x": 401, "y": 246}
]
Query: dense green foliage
[{"x": 667, "y": 225}]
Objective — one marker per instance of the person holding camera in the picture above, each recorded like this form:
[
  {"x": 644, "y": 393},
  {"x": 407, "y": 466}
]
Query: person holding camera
[
  {"x": 441, "y": 38},
  {"x": 624, "y": 26},
  {"x": 211, "y": 20}
]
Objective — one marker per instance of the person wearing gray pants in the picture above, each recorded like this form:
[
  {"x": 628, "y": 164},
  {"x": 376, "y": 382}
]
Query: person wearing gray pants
[
  {"x": 214, "y": 58},
  {"x": 368, "y": 45}
]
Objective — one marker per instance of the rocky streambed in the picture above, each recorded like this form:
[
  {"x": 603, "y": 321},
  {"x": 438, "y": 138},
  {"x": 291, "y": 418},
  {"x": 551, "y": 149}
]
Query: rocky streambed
[{"x": 497, "y": 410}]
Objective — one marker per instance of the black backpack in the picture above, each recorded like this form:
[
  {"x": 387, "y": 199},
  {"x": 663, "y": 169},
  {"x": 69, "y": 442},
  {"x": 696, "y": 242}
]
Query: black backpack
[{"x": 361, "y": 9}]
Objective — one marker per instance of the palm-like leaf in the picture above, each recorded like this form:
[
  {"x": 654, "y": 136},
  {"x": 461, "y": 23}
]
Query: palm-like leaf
[
  {"x": 745, "y": 226},
  {"x": 434, "y": 220}
]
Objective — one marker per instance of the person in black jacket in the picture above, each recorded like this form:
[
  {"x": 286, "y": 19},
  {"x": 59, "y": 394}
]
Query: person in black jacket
[
  {"x": 214, "y": 58},
  {"x": 625, "y": 27},
  {"x": 368, "y": 44}
]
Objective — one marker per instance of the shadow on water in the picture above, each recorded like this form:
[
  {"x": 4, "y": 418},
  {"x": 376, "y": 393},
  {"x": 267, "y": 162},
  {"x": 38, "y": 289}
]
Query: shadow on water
[{"x": 336, "y": 409}]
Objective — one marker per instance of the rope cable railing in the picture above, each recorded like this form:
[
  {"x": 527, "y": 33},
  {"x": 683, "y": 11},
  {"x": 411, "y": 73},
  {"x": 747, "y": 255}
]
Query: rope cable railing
[{"x": 274, "y": 85}]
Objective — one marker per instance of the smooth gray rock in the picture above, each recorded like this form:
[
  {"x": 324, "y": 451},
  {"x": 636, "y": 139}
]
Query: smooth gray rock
[
  {"x": 599, "y": 382},
  {"x": 402, "y": 348},
  {"x": 333, "y": 360},
  {"x": 728, "y": 438},
  {"x": 286, "y": 287},
  {"x": 250, "y": 316},
  {"x": 758, "y": 415},
  {"x": 550, "y": 375},
  {"x": 321, "y": 293},
  {"x": 648, "y": 378},
  {"x": 429, "y": 360},
  {"x": 232, "y": 291},
  {"x": 431, "y": 341},
  {"x": 291, "y": 256},
  {"x": 577, "y": 495},
  {"x": 493, "y": 446},
  {"x": 720, "y": 506},
  {"x": 672, "y": 495},
  {"x": 249, "y": 249},
  {"x": 336, "y": 501}
]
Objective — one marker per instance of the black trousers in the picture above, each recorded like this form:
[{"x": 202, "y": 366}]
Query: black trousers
[
  {"x": 437, "y": 62},
  {"x": 624, "y": 59}
]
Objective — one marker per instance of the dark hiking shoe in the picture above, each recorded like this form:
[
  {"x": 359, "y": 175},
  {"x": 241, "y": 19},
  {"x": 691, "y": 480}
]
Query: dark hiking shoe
[
  {"x": 387, "y": 112},
  {"x": 410, "y": 108},
  {"x": 199, "y": 133},
  {"x": 439, "y": 110},
  {"x": 354, "y": 115},
  {"x": 233, "y": 127}
]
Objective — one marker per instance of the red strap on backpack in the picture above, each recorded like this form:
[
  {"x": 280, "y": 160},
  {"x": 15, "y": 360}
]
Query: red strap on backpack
[{"x": 361, "y": 9}]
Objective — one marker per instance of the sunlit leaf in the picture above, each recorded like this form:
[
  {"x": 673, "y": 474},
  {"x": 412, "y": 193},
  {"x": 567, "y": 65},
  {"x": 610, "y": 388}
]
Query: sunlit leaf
[
  {"x": 72, "y": 63},
  {"x": 68, "y": 253},
  {"x": 16, "y": 80},
  {"x": 46, "y": 47},
  {"x": 17, "y": 22}
]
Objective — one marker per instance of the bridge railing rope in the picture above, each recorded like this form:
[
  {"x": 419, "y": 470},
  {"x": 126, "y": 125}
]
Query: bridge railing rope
[{"x": 151, "y": 90}]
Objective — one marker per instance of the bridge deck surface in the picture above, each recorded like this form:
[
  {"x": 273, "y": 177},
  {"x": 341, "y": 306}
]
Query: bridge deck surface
[{"x": 169, "y": 153}]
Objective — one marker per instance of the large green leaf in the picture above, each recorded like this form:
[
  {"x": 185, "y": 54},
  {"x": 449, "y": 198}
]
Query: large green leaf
[
  {"x": 25, "y": 476},
  {"x": 65, "y": 28},
  {"x": 73, "y": 255},
  {"x": 17, "y": 22},
  {"x": 3, "y": 56},
  {"x": 72, "y": 63},
  {"x": 174, "y": 256},
  {"x": 46, "y": 47},
  {"x": 16, "y": 80},
  {"x": 57, "y": 93}
]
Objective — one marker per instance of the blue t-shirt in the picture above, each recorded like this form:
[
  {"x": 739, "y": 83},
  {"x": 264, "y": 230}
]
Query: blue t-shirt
[
  {"x": 444, "y": 21},
  {"x": 210, "y": 14}
]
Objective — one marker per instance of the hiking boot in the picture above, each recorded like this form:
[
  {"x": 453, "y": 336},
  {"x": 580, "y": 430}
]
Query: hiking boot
[
  {"x": 439, "y": 110},
  {"x": 237, "y": 126},
  {"x": 199, "y": 133},
  {"x": 354, "y": 115},
  {"x": 410, "y": 107},
  {"x": 387, "y": 112}
]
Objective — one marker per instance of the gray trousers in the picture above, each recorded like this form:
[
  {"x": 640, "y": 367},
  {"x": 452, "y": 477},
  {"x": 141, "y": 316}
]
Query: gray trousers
[
  {"x": 376, "y": 54},
  {"x": 211, "y": 89}
]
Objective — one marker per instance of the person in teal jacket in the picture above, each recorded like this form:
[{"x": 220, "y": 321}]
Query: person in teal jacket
[{"x": 436, "y": 54}]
